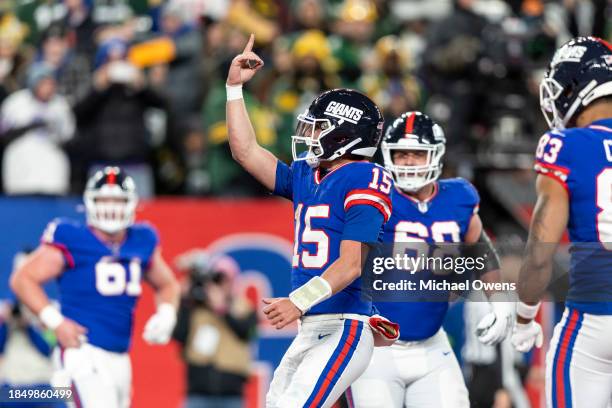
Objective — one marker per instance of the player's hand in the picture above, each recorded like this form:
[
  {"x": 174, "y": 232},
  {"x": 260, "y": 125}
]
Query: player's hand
[
  {"x": 70, "y": 334},
  {"x": 281, "y": 311},
  {"x": 495, "y": 326},
  {"x": 526, "y": 335},
  {"x": 159, "y": 326},
  {"x": 244, "y": 65}
]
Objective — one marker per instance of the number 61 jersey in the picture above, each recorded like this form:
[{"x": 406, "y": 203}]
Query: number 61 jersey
[
  {"x": 101, "y": 283},
  {"x": 350, "y": 202},
  {"x": 581, "y": 160}
]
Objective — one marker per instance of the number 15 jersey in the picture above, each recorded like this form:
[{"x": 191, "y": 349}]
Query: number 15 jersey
[
  {"x": 581, "y": 160},
  {"x": 351, "y": 202}
]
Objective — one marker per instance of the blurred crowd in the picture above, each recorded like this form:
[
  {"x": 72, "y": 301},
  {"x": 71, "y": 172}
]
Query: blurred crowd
[{"x": 140, "y": 83}]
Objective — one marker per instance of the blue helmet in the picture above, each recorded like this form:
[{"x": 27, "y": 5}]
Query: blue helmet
[
  {"x": 337, "y": 123},
  {"x": 414, "y": 131},
  {"x": 579, "y": 73}
]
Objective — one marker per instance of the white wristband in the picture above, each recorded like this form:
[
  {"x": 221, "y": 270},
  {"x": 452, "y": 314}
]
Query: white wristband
[
  {"x": 51, "y": 317},
  {"x": 234, "y": 92},
  {"x": 527, "y": 311},
  {"x": 164, "y": 308},
  {"x": 311, "y": 293}
]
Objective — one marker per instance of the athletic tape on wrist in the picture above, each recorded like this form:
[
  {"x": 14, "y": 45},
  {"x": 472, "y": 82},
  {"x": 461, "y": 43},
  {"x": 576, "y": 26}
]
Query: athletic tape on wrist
[
  {"x": 51, "y": 317},
  {"x": 311, "y": 293},
  {"x": 527, "y": 311},
  {"x": 166, "y": 308},
  {"x": 234, "y": 92}
]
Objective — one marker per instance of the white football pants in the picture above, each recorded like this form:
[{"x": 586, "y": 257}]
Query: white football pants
[{"x": 419, "y": 374}]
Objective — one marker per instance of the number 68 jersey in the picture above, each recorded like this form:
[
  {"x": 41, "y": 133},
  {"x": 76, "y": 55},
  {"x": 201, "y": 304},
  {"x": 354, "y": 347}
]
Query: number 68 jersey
[
  {"x": 581, "y": 160},
  {"x": 100, "y": 284},
  {"x": 350, "y": 202}
]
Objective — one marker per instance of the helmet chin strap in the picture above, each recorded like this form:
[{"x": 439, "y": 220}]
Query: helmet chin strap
[{"x": 340, "y": 152}]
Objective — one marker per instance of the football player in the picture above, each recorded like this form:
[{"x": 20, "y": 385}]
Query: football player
[
  {"x": 574, "y": 188},
  {"x": 341, "y": 201},
  {"x": 420, "y": 370},
  {"x": 99, "y": 268}
]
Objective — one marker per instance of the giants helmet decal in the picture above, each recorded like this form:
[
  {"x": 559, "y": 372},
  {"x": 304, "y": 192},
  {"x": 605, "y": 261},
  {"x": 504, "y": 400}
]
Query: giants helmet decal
[
  {"x": 110, "y": 200},
  {"x": 414, "y": 131},
  {"x": 579, "y": 73},
  {"x": 338, "y": 122}
]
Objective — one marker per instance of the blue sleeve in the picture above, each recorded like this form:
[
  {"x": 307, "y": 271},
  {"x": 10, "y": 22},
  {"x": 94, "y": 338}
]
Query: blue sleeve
[
  {"x": 151, "y": 234},
  {"x": 473, "y": 198},
  {"x": 369, "y": 185},
  {"x": 59, "y": 234},
  {"x": 149, "y": 239},
  {"x": 283, "y": 186},
  {"x": 363, "y": 223},
  {"x": 552, "y": 158}
]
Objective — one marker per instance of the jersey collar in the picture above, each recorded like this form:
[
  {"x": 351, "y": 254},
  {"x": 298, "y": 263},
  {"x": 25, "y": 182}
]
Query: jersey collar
[
  {"x": 424, "y": 205},
  {"x": 602, "y": 124},
  {"x": 317, "y": 173}
]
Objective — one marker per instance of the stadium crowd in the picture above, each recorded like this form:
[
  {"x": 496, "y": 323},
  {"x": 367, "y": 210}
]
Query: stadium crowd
[{"x": 85, "y": 83}]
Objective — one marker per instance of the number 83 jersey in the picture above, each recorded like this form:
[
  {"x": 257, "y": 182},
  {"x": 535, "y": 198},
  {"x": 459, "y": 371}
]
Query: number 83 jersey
[
  {"x": 581, "y": 160},
  {"x": 101, "y": 283},
  {"x": 351, "y": 202}
]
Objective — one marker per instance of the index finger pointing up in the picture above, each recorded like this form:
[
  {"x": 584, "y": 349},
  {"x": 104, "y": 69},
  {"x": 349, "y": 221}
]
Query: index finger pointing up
[{"x": 249, "y": 45}]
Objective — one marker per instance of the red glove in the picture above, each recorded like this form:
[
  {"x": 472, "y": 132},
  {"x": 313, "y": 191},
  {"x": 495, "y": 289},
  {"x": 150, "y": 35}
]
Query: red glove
[{"x": 385, "y": 331}]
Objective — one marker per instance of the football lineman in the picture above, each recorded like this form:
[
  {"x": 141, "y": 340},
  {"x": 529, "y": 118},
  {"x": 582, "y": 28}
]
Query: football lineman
[
  {"x": 99, "y": 268},
  {"x": 574, "y": 188},
  {"x": 341, "y": 201},
  {"x": 421, "y": 370}
]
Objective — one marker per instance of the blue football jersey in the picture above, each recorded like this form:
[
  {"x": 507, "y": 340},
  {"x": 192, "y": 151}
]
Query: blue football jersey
[
  {"x": 101, "y": 283},
  {"x": 581, "y": 160},
  {"x": 349, "y": 203},
  {"x": 444, "y": 217}
]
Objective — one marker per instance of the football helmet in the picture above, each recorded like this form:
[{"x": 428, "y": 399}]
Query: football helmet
[
  {"x": 338, "y": 122},
  {"x": 579, "y": 73},
  {"x": 110, "y": 200},
  {"x": 414, "y": 131}
]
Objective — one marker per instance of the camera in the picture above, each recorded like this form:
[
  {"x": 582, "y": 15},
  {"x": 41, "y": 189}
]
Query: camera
[{"x": 199, "y": 278}]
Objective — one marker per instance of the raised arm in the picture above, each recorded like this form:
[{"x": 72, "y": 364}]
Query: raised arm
[{"x": 243, "y": 143}]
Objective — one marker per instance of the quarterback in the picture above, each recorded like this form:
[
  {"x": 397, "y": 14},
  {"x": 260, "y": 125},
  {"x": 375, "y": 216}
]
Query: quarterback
[
  {"x": 340, "y": 201},
  {"x": 99, "y": 268}
]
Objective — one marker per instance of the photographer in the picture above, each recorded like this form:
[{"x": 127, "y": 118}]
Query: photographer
[{"x": 214, "y": 327}]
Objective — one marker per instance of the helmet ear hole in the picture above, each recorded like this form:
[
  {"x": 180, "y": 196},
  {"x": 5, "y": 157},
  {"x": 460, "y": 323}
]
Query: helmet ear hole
[{"x": 568, "y": 92}]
